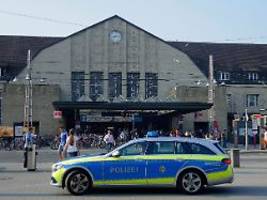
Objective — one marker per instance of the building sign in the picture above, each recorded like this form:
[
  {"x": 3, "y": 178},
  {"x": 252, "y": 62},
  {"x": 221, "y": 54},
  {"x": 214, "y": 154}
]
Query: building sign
[
  {"x": 96, "y": 116},
  {"x": 18, "y": 130},
  {"x": 57, "y": 114}
]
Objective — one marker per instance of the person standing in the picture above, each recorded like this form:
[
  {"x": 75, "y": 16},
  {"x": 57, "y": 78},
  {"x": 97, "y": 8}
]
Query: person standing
[
  {"x": 122, "y": 137},
  {"x": 265, "y": 139},
  {"x": 71, "y": 145},
  {"x": 63, "y": 138},
  {"x": 177, "y": 133},
  {"x": 28, "y": 142},
  {"x": 109, "y": 140}
]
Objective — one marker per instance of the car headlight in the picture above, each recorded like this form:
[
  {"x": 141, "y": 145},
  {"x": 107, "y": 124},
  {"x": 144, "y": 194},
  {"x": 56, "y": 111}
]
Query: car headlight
[{"x": 56, "y": 167}]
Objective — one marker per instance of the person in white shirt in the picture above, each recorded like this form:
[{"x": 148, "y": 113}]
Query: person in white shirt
[
  {"x": 109, "y": 140},
  {"x": 122, "y": 137},
  {"x": 71, "y": 144},
  {"x": 265, "y": 139}
]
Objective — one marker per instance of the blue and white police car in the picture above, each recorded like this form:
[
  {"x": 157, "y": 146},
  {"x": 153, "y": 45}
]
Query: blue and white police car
[{"x": 188, "y": 164}]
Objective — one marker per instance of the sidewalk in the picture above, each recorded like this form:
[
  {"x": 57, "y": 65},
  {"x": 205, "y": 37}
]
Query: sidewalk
[{"x": 251, "y": 148}]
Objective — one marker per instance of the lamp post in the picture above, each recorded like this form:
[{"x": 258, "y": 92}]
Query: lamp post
[
  {"x": 28, "y": 94},
  {"x": 211, "y": 111}
]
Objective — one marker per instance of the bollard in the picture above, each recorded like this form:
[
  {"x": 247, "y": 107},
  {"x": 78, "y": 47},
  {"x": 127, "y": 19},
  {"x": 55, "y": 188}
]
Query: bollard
[
  {"x": 31, "y": 159},
  {"x": 235, "y": 157}
]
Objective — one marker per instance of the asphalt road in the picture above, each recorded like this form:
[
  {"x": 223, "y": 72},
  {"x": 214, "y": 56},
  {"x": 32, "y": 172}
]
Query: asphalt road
[{"x": 16, "y": 183}]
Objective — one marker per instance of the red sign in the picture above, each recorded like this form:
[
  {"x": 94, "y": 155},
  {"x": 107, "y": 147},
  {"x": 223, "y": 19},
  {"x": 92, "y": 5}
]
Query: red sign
[
  {"x": 258, "y": 116},
  {"x": 57, "y": 114}
]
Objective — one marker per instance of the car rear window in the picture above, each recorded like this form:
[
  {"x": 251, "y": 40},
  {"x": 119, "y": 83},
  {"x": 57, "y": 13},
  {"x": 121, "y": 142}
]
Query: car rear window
[
  {"x": 218, "y": 146},
  {"x": 200, "y": 149}
]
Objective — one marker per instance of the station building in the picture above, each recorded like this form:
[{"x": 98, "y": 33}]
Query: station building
[{"x": 115, "y": 73}]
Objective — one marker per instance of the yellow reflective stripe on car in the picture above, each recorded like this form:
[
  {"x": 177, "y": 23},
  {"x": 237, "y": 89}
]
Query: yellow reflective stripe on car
[
  {"x": 217, "y": 176},
  {"x": 156, "y": 181},
  {"x": 58, "y": 175},
  {"x": 136, "y": 181},
  {"x": 185, "y": 157}
]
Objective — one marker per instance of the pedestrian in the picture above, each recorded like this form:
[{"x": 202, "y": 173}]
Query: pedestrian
[
  {"x": 187, "y": 134},
  {"x": 265, "y": 139},
  {"x": 122, "y": 137},
  {"x": 223, "y": 138},
  {"x": 28, "y": 142},
  {"x": 109, "y": 140},
  {"x": 172, "y": 133},
  {"x": 71, "y": 145},
  {"x": 63, "y": 138},
  {"x": 177, "y": 133}
]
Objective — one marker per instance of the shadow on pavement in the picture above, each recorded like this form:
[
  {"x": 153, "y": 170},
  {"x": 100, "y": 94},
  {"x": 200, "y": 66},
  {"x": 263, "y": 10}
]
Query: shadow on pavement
[
  {"x": 230, "y": 191},
  {"x": 214, "y": 191}
]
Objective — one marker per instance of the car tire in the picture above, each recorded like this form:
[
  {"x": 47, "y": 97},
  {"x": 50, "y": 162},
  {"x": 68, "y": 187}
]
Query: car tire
[
  {"x": 78, "y": 182},
  {"x": 191, "y": 182}
]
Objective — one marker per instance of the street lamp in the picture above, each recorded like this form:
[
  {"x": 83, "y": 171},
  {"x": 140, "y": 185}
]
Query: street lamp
[{"x": 28, "y": 94}]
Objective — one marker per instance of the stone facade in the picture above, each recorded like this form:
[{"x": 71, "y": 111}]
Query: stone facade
[
  {"x": 236, "y": 97},
  {"x": 200, "y": 94},
  {"x": 92, "y": 50},
  {"x": 13, "y": 98}
]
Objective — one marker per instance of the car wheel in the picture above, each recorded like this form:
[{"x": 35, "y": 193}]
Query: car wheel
[
  {"x": 78, "y": 182},
  {"x": 191, "y": 182}
]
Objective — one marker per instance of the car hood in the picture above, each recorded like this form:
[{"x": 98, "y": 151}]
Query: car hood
[{"x": 83, "y": 158}]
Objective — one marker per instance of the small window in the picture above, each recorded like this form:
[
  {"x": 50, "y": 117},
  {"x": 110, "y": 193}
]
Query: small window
[
  {"x": 253, "y": 76},
  {"x": 134, "y": 149},
  {"x": 224, "y": 76},
  {"x": 252, "y": 100},
  {"x": 163, "y": 147},
  {"x": 199, "y": 149}
]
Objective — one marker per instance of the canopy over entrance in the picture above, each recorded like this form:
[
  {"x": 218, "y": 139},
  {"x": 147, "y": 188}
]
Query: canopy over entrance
[
  {"x": 179, "y": 107},
  {"x": 97, "y": 116}
]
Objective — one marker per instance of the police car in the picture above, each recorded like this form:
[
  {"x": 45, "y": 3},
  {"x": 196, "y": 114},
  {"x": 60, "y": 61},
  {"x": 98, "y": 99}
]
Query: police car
[{"x": 188, "y": 164}]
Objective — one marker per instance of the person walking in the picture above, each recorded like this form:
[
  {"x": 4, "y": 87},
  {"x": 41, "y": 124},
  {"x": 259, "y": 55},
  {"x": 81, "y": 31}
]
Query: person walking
[
  {"x": 71, "y": 145},
  {"x": 265, "y": 139},
  {"x": 109, "y": 140},
  {"x": 28, "y": 142},
  {"x": 63, "y": 138}
]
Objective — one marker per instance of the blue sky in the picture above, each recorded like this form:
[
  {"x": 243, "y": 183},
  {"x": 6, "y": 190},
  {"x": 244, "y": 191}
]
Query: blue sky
[{"x": 183, "y": 20}]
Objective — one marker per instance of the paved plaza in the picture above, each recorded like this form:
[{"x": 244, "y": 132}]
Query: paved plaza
[{"x": 16, "y": 183}]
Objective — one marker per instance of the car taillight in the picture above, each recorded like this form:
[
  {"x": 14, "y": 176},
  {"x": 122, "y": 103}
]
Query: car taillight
[{"x": 226, "y": 161}]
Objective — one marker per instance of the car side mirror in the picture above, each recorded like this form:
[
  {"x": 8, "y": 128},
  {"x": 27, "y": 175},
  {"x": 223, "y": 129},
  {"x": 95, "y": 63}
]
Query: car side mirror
[{"x": 116, "y": 154}]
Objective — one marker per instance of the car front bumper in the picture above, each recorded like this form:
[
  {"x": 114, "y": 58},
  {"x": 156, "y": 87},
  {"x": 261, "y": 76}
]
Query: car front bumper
[{"x": 56, "y": 177}]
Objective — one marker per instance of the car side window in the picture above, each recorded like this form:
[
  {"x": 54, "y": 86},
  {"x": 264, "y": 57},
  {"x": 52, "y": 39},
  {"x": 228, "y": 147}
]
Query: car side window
[
  {"x": 182, "y": 148},
  {"x": 161, "y": 147},
  {"x": 200, "y": 149},
  {"x": 134, "y": 149}
]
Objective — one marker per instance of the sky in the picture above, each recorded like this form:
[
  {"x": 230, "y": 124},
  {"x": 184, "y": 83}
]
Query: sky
[{"x": 234, "y": 21}]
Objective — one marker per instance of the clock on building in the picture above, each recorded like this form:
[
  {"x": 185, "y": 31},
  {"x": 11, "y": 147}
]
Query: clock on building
[{"x": 115, "y": 36}]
